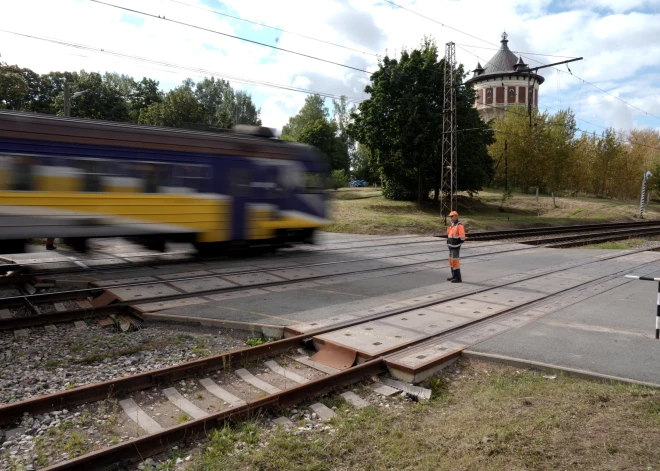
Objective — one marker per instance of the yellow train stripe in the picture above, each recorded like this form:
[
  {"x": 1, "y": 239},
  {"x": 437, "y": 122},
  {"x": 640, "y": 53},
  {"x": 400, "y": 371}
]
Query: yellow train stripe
[{"x": 210, "y": 218}]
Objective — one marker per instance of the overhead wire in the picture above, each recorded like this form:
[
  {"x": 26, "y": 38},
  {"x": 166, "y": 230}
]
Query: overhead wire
[
  {"x": 229, "y": 77},
  {"x": 251, "y": 41},
  {"x": 209, "y": 10},
  {"x": 517, "y": 52},
  {"x": 492, "y": 44},
  {"x": 488, "y": 62}
]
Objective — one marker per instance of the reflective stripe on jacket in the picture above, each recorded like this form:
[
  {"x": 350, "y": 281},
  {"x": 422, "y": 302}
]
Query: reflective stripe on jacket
[{"x": 455, "y": 235}]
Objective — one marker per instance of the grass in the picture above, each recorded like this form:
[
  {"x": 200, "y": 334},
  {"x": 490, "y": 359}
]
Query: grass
[
  {"x": 492, "y": 417},
  {"x": 254, "y": 341},
  {"x": 183, "y": 418},
  {"x": 365, "y": 211},
  {"x": 61, "y": 440}
]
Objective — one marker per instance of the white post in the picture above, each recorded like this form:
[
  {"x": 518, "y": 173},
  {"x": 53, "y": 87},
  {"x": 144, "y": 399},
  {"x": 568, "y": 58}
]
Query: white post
[{"x": 647, "y": 175}]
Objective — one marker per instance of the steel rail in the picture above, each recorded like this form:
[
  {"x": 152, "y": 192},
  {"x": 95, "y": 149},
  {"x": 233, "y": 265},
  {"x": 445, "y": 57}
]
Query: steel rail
[
  {"x": 76, "y": 314},
  {"x": 612, "y": 235},
  {"x": 152, "y": 444},
  {"x": 194, "y": 258},
  {"x": 492, "y": 235},
  {"x": 126, "y": 384},
  {"x": 9, "y": 301}
]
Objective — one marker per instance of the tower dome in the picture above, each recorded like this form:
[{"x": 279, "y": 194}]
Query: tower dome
[{"x": 503, "y": 82}]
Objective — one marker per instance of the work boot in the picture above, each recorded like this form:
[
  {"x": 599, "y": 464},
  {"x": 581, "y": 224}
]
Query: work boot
[
  {"x": 51, "y": 247},
  {"x": 457, "y": 276},
  {"x": 452, "y": 275}
]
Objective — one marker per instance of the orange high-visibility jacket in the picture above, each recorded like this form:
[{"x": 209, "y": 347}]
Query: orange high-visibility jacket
[{"x": 455, "y": 235}]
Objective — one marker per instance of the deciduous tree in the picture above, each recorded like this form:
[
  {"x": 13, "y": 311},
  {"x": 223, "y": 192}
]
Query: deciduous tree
[
  {"x": 401, "y": 123},
  {"x": 179, "y": 108}
]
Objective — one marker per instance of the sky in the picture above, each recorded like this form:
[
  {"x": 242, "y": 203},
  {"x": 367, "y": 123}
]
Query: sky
[{"x": 618, "y": 39}]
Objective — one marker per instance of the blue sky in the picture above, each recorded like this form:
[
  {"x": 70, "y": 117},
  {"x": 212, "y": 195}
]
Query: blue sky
[{"x": 615, "y": 37}]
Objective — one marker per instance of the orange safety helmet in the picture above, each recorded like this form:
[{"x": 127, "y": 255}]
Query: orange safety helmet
[{"x": 453, "y": 213}]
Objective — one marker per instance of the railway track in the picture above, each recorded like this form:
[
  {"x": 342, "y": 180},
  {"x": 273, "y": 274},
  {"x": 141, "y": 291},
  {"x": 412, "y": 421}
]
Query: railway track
[
  {"x": 537, "y": 236},
  {"x": 544, "y": 231},
  {"x": 585, "y": 234},
  {"x": 286, "y": 389},
  {"x": 103, "y": 305},
  {"x": 20, "y": 271}
]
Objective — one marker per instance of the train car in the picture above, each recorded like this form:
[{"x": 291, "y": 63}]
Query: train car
[{"x": 79, "y": 179}]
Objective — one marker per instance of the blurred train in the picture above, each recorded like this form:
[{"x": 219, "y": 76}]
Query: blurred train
[{"x": 78, "y": 179}]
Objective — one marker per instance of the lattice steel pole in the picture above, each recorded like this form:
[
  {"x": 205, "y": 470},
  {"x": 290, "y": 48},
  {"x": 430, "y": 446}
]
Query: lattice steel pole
[
  {"x": 448, "y": 182},
  {"x": 647, "y": 175}
]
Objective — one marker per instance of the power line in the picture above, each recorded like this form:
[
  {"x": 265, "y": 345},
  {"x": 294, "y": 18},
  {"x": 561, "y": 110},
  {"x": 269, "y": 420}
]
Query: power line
[
  {"x": 488, "y": 62},
  {"x": 492, "y": 44},
  {"x": 517, "y": 52},
  {"x": 201, "y": 28},
  {"x": 434, "y": 21},
  {"x": 209, "y": 10},
  {"x": 233, "y": 78},
  {"x": 551, "y": 123}
]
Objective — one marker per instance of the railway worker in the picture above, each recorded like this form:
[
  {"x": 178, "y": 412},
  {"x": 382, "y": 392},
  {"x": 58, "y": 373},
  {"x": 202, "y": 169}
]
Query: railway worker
[
  {"x": 49, "y": 244},
  {"x": 455, "y": 237}
]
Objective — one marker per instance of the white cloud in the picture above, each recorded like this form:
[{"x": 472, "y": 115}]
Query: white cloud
[{"x": 616, "y": 40}]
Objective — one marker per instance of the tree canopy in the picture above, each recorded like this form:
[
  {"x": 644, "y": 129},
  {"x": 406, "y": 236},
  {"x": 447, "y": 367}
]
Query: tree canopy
[
  {"x": 312, "y": 125},
  {"x": 116, "y": 97},
  {"x": 550, "y": 155},
  {"x": 401, "y": 125}
]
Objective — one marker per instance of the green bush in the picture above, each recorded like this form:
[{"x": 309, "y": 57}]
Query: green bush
[{"x": 338, "y": 179}]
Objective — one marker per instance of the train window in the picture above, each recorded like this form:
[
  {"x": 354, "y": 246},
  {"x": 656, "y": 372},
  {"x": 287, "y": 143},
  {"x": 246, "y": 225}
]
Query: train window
[
  {"x": 290, "y": 176},
  {"x": 240, "y": 180},
  {"x": 147, "y": 177},
  {"x": 92, "y": 174},
  {"x": 23, "y": 172},
  {"x": 192, "y": 177},
  {"x": 5, "y": 172},
  {"x": 154, "y": 174}
]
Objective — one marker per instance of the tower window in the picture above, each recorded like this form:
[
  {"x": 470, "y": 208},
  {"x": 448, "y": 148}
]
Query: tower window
[
  {"x": 511, "y": 95},
  {"x": 499, "y": 95}
]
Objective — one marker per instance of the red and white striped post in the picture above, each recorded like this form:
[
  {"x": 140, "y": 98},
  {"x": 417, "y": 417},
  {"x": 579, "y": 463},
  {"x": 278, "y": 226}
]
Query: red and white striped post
[{"x": 657, "y": 310}]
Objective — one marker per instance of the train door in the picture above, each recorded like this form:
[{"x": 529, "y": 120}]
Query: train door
[{"x": 240, "y": 189}]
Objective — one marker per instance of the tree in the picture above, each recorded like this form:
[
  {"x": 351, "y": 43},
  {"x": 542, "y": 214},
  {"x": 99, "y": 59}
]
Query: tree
[
  {"x": 314, "y": 109},
  {"x": 225, "y": 107},
  {"x": 100, "y": 100},
  {"x": 14, "y": 89},
  {"x": 211, "y": 94},
  {"x": 179, "y": 107},
  {"x": 338, "y": 179},
  {"x": 36, "y": 97},
  {"x": 342, "y": 119},
  {"x": 245, "y": 110},
  {"x": 55, "y": 93},
  {"x": 312, "y": 126},
  {"x": 401, "y": 123},
  {"x": 361, "y": 166},
  {"x": 144, "y": 94},
  {"x": 474, "y": 165},
  {"x": 323, "y": 135}
]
